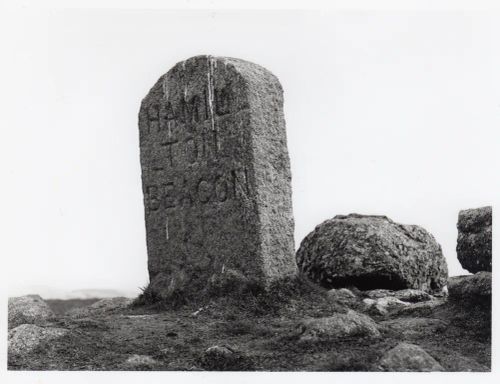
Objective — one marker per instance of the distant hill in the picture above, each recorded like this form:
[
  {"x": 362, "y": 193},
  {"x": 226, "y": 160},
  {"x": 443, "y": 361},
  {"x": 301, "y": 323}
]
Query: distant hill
[{"x": 47, "y": 292}]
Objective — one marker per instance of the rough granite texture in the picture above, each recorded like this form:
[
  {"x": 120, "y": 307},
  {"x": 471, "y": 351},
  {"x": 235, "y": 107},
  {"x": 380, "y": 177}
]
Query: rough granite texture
[
  {"x": 474, "y": 239},
  {"x": 406, "y": 357},
  {"x": 372, "y": 252},
  {"x": 26, "y": 337},
  {"x": 29, "y": 309},
  {"x": 475, "y": 287},
  {"x": 216, "y": 174},
  {"x": 339, "y": 325}
]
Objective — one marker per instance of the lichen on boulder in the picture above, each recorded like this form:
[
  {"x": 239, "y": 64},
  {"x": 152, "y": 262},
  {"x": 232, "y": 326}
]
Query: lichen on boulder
[
  {"x": 372, "y": 252},
  {"x": 474, "y": 241},
  {"x": 29, "y": 309}
]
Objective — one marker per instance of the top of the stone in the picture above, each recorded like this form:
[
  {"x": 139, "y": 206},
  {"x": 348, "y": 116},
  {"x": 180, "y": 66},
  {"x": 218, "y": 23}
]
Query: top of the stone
[
  {"x": 359, "y": 216},
  {"x": 241, "y": 66},
  {"x": 469, "y": 219}
]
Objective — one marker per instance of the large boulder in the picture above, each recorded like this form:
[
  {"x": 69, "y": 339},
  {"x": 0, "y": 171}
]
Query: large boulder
[
  {"x": 372, "y": 252},
  {"x": 474, "y": 239},
  {"x": 30, "y": 309}
]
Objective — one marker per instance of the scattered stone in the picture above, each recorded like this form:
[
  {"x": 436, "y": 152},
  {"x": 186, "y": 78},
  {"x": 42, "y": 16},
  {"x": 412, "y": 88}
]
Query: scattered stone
[
  {"x": 408, "y": 295},
  {"x": 470, "y": 287},
  {"x": 222, "y": 358},
  {"x": 342, "y": 294},
  {"x": 406, "y": 357},
  {"x": 421, "y": 309},
  {"x": 339, "y": 325},
  {"x": 384, "y": 305},
  {"x": 372, "y": 252},
  {"x": 101, "y": 307},
  {"x": 411, "y": 327},
  {"x": 216, "y": 174},
  {"x": 475, "y": 239},
  {"x": 140, "y": 363},
  {"x": 26, "y": 337},
  {"x": 30, "y": 309}
]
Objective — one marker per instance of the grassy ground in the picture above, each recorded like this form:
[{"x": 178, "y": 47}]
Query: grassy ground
[
  {"x": 260, "y": 326},
  {"x": 60, "y": 307}
]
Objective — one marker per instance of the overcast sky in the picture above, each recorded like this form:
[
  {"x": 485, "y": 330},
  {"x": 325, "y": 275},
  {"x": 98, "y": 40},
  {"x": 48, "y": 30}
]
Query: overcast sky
[{"x": 387, "y": 113}]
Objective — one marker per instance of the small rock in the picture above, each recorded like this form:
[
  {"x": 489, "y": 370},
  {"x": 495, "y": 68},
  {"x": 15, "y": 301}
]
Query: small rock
[
  {"x": 30, "y": 309},
  {"x": 26, "y": 337},
  {"x": 408, "y": 295},
  {"x": 413, "y": 295},
  {"x": 384, "y": 305},
  {"x": 140, "y": 363},
  {"x": 378, "y": 293},
  {"x": 421, "y": 309},
  {"x": 406, "y": 357},
  {"x": 103, "y": 306},
  {"x": 223, "y": 358},
  {"x": 342, "y": 294},
  {"x": 338, "y": 326},
  {"x": 470, "y": 287}
]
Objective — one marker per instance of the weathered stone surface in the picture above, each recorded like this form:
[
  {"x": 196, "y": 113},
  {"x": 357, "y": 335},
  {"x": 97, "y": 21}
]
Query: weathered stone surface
[
  {"x": 341, "y": 294},
  {"x": 406, "y": 357},
  {"x": 384, "y": 305},
  {"x": 140, "y": 363},
  {"x": 101, "y": 307},
  {"x": 470, "y": 287},
  {"x": 339, "y": 325},
  {"x": 30, "y": 309},
  {"x": 26, "y": 337},
  {"x": 421, "y": 309},
  {"x": 216, "y": 173},
  {"x": 372, "y": 252},
  {"x": 407, "y": 295},
  {"x": 474, "y": 239}
]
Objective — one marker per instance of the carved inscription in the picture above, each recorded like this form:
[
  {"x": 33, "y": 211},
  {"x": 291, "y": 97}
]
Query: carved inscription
[
  {"x": 197, "y": 109},
  {"x": 217, "y": 189}
]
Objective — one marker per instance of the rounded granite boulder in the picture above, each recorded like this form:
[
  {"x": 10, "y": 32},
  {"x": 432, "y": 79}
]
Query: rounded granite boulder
[{"x": 372, "y": 252}]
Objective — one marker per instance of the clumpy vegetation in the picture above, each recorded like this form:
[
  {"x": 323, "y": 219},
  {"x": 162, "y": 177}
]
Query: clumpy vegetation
[{"x": 249, "y": 328}]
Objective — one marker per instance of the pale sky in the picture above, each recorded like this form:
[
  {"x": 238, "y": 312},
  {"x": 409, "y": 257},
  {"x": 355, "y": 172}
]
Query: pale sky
[{"x": 392, "y": 113}]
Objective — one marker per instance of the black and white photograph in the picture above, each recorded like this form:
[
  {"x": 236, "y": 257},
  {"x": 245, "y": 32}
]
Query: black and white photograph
[{"x": 195, "y": 188}]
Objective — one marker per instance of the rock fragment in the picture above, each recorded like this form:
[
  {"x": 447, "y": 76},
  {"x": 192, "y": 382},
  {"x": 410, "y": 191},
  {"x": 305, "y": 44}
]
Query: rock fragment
[
  {"x": 384, "y": 305},
  {"x": 140, "y": 363},
  {"x": 339, "y": 325},
  {"x": 406, "y": 357},
  {"x": 223, "y": 358}
]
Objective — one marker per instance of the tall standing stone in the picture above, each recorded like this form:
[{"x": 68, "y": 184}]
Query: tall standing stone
[{"x": 216, "y": 174}]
